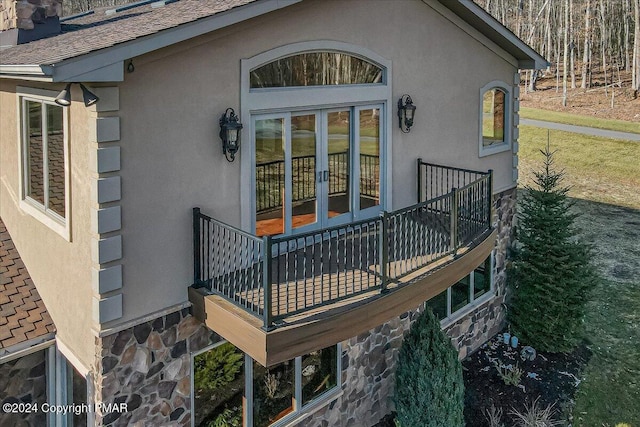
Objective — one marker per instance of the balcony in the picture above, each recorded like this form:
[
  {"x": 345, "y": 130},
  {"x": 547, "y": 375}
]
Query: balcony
[{"x": 278, "y": 297}]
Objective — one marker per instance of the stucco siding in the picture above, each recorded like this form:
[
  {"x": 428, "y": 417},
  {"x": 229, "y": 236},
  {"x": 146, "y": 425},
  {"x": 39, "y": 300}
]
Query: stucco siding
[
  {"x": 59, "y": 268},
  {"x": 170, "y": 105}
]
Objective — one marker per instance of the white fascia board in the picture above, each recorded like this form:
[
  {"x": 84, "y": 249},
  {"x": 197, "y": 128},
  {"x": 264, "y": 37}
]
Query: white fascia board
[
  {"x": 26, "y": 72},
  {"x": 111, "y": 58},
  {"x": 534, "y": 58}
]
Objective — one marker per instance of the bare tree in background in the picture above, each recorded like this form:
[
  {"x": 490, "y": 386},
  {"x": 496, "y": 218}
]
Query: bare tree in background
[
  {"x": 606, "y": 41},
  {"x": 586, "y": 55},
  {"x": 635, "y": 71},
  {"x": 566, "y": 53}
]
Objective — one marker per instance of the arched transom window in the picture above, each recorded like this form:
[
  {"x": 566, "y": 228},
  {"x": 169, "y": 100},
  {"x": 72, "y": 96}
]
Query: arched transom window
[{"x": 316, "y": 69}]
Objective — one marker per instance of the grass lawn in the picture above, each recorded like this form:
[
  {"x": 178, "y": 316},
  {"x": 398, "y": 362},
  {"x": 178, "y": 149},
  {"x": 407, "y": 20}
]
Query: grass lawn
[
  {"x": 598, "y": 169},
  {"x": 574, "y": 119},
  {"x": 605, "y": 178},
  {"x": 610, "y": 392}
]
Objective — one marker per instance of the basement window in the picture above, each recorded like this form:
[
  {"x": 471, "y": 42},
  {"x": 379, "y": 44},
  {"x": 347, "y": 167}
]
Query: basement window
[
  {"x": 229, "y": 388},
  {"x": 464, "y": 295},
  {"x": 44, "y": 164}
]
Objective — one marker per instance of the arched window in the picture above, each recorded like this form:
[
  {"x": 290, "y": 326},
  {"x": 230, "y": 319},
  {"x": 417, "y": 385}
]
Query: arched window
[
  {"x": 495, "y": 118},
  {"x": 316, "y": 69}
]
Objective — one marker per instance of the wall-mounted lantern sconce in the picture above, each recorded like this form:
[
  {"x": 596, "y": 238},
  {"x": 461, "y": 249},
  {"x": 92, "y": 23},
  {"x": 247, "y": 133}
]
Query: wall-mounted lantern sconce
[
  {"x": 64, "y": 97},
  {"x": 406, "y": 111},
  {"x": 230, "y": 134}
]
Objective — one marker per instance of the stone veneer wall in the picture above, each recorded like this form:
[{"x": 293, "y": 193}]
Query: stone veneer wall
[
  {"x": 24, "y": 380},
  {"x": 368, "y": 361},
  {"x": 23, "y": 13},
  {"x": 474, "y": 329},
  {"x": 149, "y": 367}
]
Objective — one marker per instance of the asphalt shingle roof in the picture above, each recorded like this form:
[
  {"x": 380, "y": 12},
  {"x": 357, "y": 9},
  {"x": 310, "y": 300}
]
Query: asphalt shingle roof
[
  {"x": 99, "y": 30},
  {"x": 23, "y": 316}
]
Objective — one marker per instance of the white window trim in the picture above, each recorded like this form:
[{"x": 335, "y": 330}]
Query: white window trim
[
  {"x": 272, "y": 100},
  {"x": 298, "y": 413},
  {"x": 59, "y": 355},
  {"x": 508, "y": 119},
  {"x": 61, "y": 226},
  {"x": 475, "y": 303}
]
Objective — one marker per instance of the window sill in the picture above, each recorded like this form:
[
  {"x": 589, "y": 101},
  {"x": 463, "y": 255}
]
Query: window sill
[
  {"x": 61, "y": 228},
  {"x": 319, "y": 403},
  {"x": 493, "y": 149},
  {"x": 448, "y": 321}
]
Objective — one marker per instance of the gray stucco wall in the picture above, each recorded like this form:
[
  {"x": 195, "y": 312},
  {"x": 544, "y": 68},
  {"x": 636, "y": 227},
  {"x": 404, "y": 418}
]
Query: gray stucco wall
[{"x": 171, "y": 156}]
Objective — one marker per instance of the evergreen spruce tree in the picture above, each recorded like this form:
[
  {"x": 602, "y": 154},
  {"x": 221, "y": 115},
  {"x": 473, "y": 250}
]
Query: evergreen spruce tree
[
  {"x": 429, "y": 386},
  {"x": 551, "y": 275}
]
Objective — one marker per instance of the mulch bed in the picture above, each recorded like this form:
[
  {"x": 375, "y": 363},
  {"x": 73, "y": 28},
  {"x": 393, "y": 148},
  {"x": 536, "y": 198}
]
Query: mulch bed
[{"x": 552, "y": 378}]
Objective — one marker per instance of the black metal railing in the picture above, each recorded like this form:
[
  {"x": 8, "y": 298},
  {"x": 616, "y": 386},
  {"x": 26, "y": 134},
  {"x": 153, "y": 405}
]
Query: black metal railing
[
  {"x": 435, "y": 180},
  {"x": 278, "y": 277},
  {"x": 270, "y": 179}
]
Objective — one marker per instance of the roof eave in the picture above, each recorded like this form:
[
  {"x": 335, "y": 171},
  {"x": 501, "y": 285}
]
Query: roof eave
[
  {"x": 27, "y": 72},
  {"x": 107, "y": 64}
]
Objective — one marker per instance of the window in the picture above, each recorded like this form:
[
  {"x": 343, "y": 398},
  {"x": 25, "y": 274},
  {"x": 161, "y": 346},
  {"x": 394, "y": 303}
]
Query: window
[
  {"x": 457, "y": 299},
  {"x": 44, "y": 164},
  {"x": 495, "y": 118},
  {"x": 316, "y": 69},
  {"x": 25, "y": 380},
  {"x": 70, "y": 387},
  {"x": 218, "y": 378},
  {"x": 273, "y": 396},
  {"x": 47, "y": 379}
]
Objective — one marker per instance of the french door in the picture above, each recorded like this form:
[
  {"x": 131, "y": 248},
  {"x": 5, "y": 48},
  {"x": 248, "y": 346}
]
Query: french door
[{"x": 315, "y": 169}]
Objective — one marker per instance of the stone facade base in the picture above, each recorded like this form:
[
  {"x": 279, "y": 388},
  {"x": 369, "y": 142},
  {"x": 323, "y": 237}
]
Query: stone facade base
[{"x": 148, "y": 367}]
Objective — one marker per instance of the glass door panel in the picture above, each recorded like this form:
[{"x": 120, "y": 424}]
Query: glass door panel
[
  {"x": 317, "y": 168},
  {"x": 338, "y": 162},
  {"x": 270, "y": 176},
  {"x": 369, "y": 157},
  {"x": 304, "y": 199}
]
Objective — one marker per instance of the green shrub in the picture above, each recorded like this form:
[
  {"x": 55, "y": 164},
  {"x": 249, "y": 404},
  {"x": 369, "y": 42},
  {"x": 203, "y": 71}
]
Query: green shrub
[
  {"x": 509, "y": 375},
  {"x": 228, "y": 418},
  {"x": 429, "y": 386},
  {"x": 551, "y": 275},
  {"x": 217, "y": 368}
]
